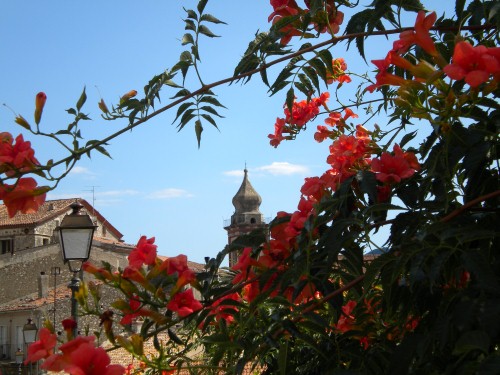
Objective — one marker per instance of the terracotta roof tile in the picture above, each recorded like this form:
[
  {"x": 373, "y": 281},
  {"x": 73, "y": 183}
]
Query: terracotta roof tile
[
  {"x": 49, "y": 210},
  {"x": 33, "y": 302}
]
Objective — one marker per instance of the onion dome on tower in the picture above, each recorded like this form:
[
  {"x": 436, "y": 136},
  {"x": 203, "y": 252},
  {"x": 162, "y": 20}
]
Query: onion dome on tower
[{"x": 247, "y": 216}]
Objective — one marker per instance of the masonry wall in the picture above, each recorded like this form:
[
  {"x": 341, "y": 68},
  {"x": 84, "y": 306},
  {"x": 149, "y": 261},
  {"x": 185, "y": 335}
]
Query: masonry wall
[{"x": 19, "y": 272}]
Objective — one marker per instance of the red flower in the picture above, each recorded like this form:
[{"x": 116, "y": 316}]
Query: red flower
[
  {"x": 225, "y": 311},
  {"x": 184, "y": 303},
  {"x": 144, "y": 253},
  {"x": 89, "y": 360},
  {"x": 42, "y": 348},
  {"x": 178, "y": 265},
  {"x": 25, "y": 196},
  {"x": 347, "y": 321},
  {"x": 392, "y": 169},
  {"x": 277, "y": 137},
  {"x": 244, "y": 264},
  {"x": 338, "y": 75},
  {"x": 419, "y": 36},
  {"x": 16, "y": 157},
  {"x": 322, "y": 133},
  {"x": 347, "y": 155},
  {"x": 133, "y": 310},
  {"x": 474, "y": 64},
  {"x": 283, "y": 8}
]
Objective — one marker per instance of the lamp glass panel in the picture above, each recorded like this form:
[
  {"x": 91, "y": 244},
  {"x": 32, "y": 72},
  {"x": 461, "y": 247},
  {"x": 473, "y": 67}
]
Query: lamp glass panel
[
  {"x": 76, "y": 243},
  {"x": 29, "y": 335}
]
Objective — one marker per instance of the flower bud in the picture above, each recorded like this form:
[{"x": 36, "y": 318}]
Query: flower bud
[
  {"x": 22, "y": 121},
  {"x": 40, "y": 100},
  {"x": 103, "y": 107},
  {"x": 128, "y": 96}
]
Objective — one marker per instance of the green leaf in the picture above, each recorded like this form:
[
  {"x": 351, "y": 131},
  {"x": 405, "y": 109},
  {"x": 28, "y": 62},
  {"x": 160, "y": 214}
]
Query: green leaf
[
  {"x": 174, "y": 337},
  {"x": 407, "y": 138},
  {"x": 187, "y": 39},
  {"x": 181, "y": 93},
  {"x": 282, "y": 359},
  {"x": 471, "y": 341},
  {"x": 198, "y": 128},
  {"x": 313, "y": 76},
  {"x": 190, "y": 25},
  {"x": 459, "y": 10},
  {"x": 320, "y": 68},
  {"x": 327, "y": 58},
  {"x": 206, "y": 31},
  {"x": 368, "y": 184},
  {"x": 103, "y": 151},
  {"x": 71, "y": 111},
  {"x": 81, "y": 100},
  {"x": 191, "y": 14},
  {"x": 201, "y": 6},
  {"x": 181, "y": 109},
  {"x": 246, "y": 64},
  {"x": 210, "y": 18},
  {"x": 210, "y": 99},
  {"x": 186, "y": 56},
  {"x": 210, "y": 120},
  {"x": 290, "y": 97},
  {"x": 210, "y": 110},
  {"x": 186, "y": 117}
]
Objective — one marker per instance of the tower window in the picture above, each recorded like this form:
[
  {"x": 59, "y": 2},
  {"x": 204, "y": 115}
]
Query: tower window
[{"x": 252, "y": 220}]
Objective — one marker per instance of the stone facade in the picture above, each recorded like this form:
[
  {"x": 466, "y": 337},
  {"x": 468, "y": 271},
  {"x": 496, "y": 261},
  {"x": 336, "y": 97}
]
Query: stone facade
[
  {"x": 246, "y": 217},
  {"x": 33, "y": 277}
]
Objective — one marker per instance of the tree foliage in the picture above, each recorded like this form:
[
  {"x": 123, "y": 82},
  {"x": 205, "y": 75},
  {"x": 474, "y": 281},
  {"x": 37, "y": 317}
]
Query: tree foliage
[{"x": 307, "y": 299}]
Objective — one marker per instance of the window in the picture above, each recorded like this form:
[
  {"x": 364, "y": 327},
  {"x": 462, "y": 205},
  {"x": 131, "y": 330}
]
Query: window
[
  {"x": 19, "y": 337},
  {"x": 3, "y": 342},
  {"x": 6, "y": 245},
  {"x": 45, "y": 241}
]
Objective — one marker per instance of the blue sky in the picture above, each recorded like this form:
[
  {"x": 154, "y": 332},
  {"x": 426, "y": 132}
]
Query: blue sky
[{"x": 158, "y": 183}]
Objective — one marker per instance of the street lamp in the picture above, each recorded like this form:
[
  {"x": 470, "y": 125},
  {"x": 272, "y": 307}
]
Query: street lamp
[
  {"x": 29, "y": 335},
  {"x": 75, "y": 238}
]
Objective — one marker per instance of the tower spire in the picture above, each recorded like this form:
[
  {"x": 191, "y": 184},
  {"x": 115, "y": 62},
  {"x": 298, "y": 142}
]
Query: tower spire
[{"x": 247, "y": 216}]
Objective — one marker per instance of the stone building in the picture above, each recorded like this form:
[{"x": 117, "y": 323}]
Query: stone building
[
  {"x": 247, "y": 216},
  {"x": 33, "y": 278}
]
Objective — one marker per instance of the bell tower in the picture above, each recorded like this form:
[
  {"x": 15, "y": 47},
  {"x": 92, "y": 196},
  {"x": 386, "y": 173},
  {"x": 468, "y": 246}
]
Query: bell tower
[{"x": 247, "y": 216}]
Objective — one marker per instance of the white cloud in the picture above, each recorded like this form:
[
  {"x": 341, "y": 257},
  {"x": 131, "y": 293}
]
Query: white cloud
[
  {"x": 81, "y": 170},
  {"x": 283, "y": 168},
  {"x": 169, "y": 193},
  {"x": 234, "y": 173},
  {"x": 116, "y": 193},
  {"x": 275, "y": 168}
]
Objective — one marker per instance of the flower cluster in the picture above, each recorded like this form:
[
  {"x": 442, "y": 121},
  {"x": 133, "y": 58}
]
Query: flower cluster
[
  {"x": 79, "y": 356},
  {"x": 325, "y": 20},
  {"x": 475, "y": 65},
  {"x": 17, "y": 157},
  {"x": 422, "y": 71},
  {"x": 302, "y": 112},
  {"x": 135, "y": 279}
]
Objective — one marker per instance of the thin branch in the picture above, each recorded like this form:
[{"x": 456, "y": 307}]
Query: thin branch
[
  {"x": 469, "y": 204},
  {"x": 332, "y": 42}
]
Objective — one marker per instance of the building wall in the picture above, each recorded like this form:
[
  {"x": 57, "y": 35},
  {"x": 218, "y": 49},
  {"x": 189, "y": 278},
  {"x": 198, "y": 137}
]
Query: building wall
[{"x": 19, "y": 272}]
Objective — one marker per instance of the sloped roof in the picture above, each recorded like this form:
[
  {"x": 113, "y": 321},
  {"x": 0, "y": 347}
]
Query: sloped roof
[
  {"x": 48, "y": 211},
  {"x": 33, "y": 302}
]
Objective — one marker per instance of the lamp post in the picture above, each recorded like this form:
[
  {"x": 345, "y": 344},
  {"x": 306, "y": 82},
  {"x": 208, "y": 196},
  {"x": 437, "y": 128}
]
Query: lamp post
[
  {"x": 75, "y": 238},
  {"x": 29, "y": 335}
]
